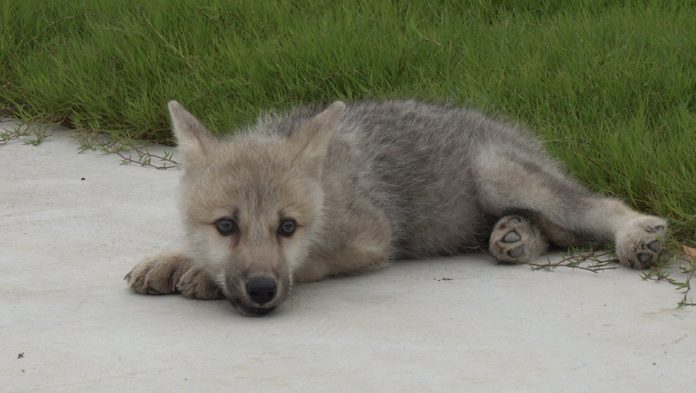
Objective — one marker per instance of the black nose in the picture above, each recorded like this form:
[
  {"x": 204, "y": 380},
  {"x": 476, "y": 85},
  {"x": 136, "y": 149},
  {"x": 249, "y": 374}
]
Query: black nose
[{"x": 261, "y": 289}]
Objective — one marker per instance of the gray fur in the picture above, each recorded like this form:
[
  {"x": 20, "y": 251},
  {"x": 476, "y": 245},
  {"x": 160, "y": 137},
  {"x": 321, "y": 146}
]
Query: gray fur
[{"x": 374, "y": 181}]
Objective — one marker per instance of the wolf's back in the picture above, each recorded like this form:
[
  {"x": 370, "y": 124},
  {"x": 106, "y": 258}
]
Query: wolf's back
[{"x": 414, "y": 160}]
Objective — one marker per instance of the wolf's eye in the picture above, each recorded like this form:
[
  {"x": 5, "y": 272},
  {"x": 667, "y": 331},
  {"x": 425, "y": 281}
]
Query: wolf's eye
[
  {"x": 226, "y": 226},
  {"x": 287, "y": 228}
]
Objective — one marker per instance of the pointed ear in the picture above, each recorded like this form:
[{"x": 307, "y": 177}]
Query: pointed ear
[
  {"x": 313, "y": 138},
  {"x": 193, "y": 139}
]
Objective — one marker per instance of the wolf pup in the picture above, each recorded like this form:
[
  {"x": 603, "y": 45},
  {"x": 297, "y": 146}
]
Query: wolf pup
[{"x": 314, "y": 193}]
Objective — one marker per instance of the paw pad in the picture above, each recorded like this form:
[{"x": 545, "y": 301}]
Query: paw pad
[
  {"x": 655, "y": 245},
  {"x": 512, "y": 237},
  {"x": 515, "y": 252},
  {"x": 644, "y": 257}
]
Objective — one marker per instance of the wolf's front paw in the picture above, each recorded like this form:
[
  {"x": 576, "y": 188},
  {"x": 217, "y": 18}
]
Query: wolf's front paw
[
  {"x": 158, "y": 275},
  {"x": 639, "y": 242},
  {"x": 515, "y": 240},
  {"x": 169, "y": 273},
  {"x": 196, "y": 283}
]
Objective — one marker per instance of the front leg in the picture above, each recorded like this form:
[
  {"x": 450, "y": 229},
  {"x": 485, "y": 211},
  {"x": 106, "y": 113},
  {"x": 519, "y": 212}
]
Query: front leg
[
  {"x": 172, "y": 272},
  {"x": 363, "y": 243}
]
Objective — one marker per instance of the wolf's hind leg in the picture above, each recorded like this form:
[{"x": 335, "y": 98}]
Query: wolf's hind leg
[
  {"x": 515, "y": 239},
  {"x": 524, "y": 180},
  {"x": 169, "y": 273}
]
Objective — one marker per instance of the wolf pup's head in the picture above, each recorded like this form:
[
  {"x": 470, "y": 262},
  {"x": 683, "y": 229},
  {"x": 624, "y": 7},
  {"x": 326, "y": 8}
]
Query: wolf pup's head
[{"x": 252, "y": 204}]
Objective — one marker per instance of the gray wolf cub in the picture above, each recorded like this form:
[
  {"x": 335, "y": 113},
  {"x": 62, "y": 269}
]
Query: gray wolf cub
[{"x": 320, "y": 192}]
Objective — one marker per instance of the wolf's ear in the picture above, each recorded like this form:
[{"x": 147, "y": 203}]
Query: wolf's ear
[
  {"x": 193, "y": 139},
  {"x": 313, "y": 138}
]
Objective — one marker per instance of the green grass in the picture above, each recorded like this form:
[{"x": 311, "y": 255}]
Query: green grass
[{"x": 611, "y": 86}]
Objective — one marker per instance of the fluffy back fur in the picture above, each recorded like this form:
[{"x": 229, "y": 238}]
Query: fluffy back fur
[{"x": 417, "y": 163}]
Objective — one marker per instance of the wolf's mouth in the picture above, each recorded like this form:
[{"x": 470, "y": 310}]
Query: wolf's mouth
[{"x": 250, "y": 310}]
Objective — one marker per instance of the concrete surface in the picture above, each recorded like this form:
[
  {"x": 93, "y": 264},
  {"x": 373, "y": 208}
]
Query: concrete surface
[{"x": 69, "y": 324}]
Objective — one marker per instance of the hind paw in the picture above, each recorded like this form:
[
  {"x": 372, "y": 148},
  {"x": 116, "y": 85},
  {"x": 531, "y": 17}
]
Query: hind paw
[
  {"x": 639, "y": 242},
  {"x": 515, "y": 240}
]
